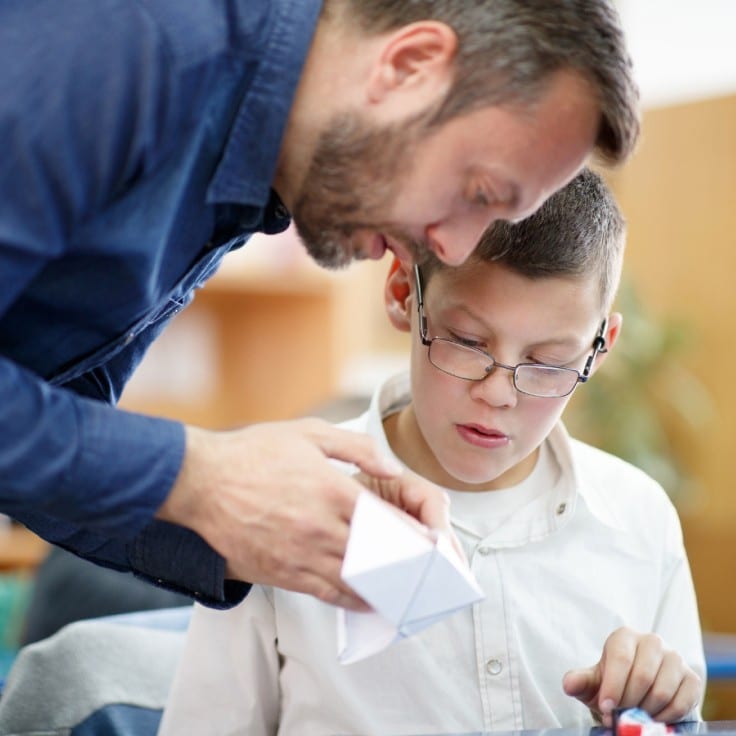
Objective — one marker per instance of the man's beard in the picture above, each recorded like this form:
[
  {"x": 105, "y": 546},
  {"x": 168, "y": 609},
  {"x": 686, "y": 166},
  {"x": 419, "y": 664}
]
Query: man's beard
[{"x": 353, "y": 178}]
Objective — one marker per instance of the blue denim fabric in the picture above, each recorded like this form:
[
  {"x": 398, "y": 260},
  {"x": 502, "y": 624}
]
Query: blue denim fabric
[{"x": 139, "y": 143}]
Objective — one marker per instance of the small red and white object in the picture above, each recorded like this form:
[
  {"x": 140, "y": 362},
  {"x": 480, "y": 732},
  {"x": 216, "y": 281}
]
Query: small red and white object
[{"x": 637, "y": 722}]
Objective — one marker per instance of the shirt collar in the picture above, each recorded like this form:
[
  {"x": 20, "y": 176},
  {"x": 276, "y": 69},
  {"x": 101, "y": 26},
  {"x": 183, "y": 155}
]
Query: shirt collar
[
  {"x": 254, "y": 142},
  {"x": 585, "y": 483}
]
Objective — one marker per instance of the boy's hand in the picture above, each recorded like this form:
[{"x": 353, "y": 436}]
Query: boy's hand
[{"x": 636, "y": 670}]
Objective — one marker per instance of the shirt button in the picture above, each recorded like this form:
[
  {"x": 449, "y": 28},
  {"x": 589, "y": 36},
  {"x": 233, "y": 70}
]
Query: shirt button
[
  {"x": 129, "y": 338},
  {"x": 281, "y": 211},
  {"x": 493, "y": 667},
  {"x": 561, "y": 509},
  {"x": 485, "y": 551}
]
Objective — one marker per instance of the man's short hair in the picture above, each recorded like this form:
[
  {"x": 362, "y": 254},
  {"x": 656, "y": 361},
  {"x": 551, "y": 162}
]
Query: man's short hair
[
  {"x": 517, "y": 45},
  {"x": 578, "y": 232}
]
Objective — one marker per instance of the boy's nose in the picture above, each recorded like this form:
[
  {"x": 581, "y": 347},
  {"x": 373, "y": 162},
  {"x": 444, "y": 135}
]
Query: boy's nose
[
  {"x": 453, "y": 240},
  {"x": 496, "y": 389}
]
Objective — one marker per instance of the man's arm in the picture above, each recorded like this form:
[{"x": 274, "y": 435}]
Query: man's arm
[
  {"x": 79, "y": 460},
  {"x": 89, "y": 478}
]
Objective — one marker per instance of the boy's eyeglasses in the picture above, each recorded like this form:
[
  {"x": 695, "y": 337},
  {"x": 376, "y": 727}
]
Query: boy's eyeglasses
[{"x": 474, "y": 364}]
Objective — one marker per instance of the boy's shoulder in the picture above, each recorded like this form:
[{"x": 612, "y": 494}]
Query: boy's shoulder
[
  {"x": 618, "y": 484},
  {"x": 597, "y": 463}
]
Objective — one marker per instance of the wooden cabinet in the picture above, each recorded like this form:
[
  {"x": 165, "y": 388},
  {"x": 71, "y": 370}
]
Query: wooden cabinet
[{"x": 270, "y": 336}]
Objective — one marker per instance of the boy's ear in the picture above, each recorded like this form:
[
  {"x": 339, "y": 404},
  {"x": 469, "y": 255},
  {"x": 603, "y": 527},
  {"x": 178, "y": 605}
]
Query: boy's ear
[
  {"x": 416, "y": 58},
  {"x": 613, "y": 330},
  {"x": 396, "y": 293}
]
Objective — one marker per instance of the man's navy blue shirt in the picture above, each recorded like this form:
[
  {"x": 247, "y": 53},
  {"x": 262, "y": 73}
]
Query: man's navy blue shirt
[{"x": 140, "y": 138}]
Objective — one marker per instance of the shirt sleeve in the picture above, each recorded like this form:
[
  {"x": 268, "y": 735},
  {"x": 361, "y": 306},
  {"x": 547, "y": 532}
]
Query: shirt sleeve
[
  {"x": 227, "y": 681},
  {"x": 80, "y": 460},
  {"x": 90, "y": 477}
]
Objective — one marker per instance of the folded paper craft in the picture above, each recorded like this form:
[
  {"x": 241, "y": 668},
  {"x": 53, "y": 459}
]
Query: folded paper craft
[{"x": 409, "y": 578}]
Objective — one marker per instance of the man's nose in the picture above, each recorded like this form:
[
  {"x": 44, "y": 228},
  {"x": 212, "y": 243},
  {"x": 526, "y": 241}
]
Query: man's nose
[{"x": 453, "y": 240}]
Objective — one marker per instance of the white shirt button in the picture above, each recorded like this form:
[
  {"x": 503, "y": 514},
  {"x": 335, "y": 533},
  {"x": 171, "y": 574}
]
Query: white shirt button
[
  {"x": 493, "y": 667},
  {"x": 485, "y": 551}
]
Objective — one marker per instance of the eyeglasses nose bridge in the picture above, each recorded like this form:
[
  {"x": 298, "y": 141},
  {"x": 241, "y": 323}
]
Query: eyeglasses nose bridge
[{"x": 490, "y": 369}]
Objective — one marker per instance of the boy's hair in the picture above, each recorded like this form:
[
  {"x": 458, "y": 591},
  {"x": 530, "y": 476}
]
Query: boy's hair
[
  {"x": 578, "y": 232},
  {"x": 516, "y": 45}
]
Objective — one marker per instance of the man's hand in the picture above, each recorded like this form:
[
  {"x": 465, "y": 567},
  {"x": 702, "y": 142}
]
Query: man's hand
[
  {"x": 269, "y": 501},
  {"x": 636, "y": 670}
]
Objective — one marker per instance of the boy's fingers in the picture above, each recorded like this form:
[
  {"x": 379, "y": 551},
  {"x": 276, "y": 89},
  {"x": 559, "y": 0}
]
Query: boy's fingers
[
  {"x": 675, "y": 692},
  {"x": 582, "y": 683},
  {"x": 619, "y": 654},
  {"x": 647, "y": 670},
  {"x": 684, "y": 701}
]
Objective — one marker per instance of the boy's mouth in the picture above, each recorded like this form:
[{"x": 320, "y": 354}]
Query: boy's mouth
[{"x": 482, "y": 436}]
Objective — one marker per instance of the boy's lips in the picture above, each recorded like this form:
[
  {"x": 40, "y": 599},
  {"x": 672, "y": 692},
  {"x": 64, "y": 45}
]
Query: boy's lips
[{"x": 481, "y": 436}]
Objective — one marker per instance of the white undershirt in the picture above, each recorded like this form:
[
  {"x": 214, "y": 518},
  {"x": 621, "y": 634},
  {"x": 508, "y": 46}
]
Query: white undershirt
[{"x": 480, "y": 513}]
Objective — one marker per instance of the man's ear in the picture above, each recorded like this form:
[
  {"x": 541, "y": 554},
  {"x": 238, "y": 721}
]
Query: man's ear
[
  {"x": 613, "y": 330},
  {"x": 396, "y": 295},
  {"x": 416, "y": 58}
]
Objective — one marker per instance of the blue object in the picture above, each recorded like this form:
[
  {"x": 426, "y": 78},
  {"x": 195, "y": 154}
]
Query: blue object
[
  {"x": 720, "y": 655},
  {"x": 120, "y": 720},
  {"x": 168, "y": 619}
]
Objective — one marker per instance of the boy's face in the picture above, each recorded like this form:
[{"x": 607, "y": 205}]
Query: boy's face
[{"x": 476, "y": 435}]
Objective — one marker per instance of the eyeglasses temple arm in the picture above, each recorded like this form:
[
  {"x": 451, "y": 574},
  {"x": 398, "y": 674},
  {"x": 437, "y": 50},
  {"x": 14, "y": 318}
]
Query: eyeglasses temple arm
[
  {"x": 599, "y": 346},
  {"x": 420, "y": 305}
]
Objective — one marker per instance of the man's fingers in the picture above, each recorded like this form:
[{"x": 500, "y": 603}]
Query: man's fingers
[
  {"x": 419, "y": 498},
  {"x": 352, "y": 447},
  {"x": 336, "y": 594},
  {"x": 316, "y": 574}
]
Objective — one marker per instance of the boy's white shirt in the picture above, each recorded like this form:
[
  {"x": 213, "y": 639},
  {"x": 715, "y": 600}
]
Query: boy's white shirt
[{"x": 601, "y": 549}]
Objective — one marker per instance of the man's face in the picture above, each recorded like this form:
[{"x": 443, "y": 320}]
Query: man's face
[
  {"x": 403, "y": 188},
  {"x": 479, "y": 435}
]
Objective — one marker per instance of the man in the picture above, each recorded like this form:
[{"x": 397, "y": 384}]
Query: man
[{"x": 145, "y": 140}]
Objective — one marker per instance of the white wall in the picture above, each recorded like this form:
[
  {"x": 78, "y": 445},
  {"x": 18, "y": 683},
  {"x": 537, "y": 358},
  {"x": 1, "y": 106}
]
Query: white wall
[{"x": 682, "y": 49}]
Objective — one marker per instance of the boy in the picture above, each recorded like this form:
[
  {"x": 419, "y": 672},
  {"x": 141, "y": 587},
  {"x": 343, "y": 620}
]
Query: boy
[{"x": 589, "y": 600}]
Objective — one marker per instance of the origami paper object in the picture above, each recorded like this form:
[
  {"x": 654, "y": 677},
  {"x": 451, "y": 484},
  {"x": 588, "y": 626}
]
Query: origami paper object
[{"x": 409, "y": 578}]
